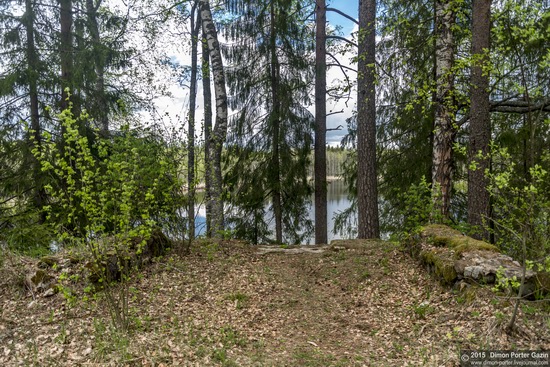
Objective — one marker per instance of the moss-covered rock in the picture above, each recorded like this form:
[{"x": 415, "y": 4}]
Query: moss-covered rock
[
  {"x": 112, "y": 263},
  {"x": 443, "y": 236},
  {"x": 48, "y": 261},
  {"x": 452, "y": 256},
  {"x": 440, "y": 262}
]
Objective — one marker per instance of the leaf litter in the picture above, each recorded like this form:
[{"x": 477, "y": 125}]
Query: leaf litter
[{"x": 368, "y": 304}]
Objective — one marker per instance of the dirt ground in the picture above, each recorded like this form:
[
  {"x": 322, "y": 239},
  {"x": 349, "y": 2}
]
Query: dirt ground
[{"x": 227, "y": 304}]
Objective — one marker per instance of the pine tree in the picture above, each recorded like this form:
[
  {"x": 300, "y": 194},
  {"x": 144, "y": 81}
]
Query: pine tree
[
  {"x": 367, "y": 185},
  {"x": 320, "y": 170},
  {"x": 480, "y": 121}
]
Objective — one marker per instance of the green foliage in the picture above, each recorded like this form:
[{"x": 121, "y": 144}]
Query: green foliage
[
  {"x": 418, "y": 207},
  {"x": 25, "y": 235},
  {"x": 345, "y": 221},
  {"x": 269, "y": 145},
  {"x": 521, "y": 207},
  {"x": 107, "y": 199},
  {"x": 239, "y": 298}
]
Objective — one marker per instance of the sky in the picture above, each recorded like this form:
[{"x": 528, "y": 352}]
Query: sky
[
  {"x": 350, "y": 7},
  {"x": 175, "y": 107}
]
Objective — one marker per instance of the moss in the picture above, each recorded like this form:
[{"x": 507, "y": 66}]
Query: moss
[
  {"x": 467, "y": 244},
  {"x": 443, "y": 236},
  {"x": 442, "y": 263},
  {"x": 440, "y": 231},
  {"x": 48, "y": 261}
]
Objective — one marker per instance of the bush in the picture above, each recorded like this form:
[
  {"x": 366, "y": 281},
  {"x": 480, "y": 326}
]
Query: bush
[{"x": 107, "y": 194}]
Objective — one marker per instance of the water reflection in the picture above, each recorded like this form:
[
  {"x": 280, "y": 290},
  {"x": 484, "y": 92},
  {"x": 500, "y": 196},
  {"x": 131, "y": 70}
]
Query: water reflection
[{"x": 337, "y": 201}]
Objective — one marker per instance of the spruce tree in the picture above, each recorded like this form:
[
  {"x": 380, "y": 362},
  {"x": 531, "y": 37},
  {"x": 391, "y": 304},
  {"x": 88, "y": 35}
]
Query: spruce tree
[{"x": 270, "y": 78}]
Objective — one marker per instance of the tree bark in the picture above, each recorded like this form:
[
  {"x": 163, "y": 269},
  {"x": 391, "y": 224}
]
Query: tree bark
[
  {"x": 444, "y": 121},
  {"x": 207, "y": 96},
  {"x": 275, "y": 121},
  {"x": 219, "y": 132},
  {"x": 479, "y": 208},
  {"x": 367, "y": 180},
  {"x": 320, "y": 124},
  {"x": 39, "y": 196},
  {"x": 195, "y": 28},
  {"x": 66, "y": 49}
]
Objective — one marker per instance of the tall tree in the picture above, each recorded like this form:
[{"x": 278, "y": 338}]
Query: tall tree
[
  {"x": 99, "y": 54},
  {"x": 367, "y": 180},
  {"x": 320, "y": 170},
  {"x": 480, "y": 122},
  {"x": 219, "y": 132},
  {"x": 66, "y": 49},
  {"x": 275, "y": 74},
  {"x": 444, "y": 122},
  {"x": 269, "y": 78},
  {"x": 36, "y": 131},
  {"x": 207, "y": 98},
  {"x": 195, "y": 31}
]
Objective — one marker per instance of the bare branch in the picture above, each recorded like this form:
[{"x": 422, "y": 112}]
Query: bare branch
[
  {"x": 343, "y": 67},
  {"x": 343, "y": 14},
  {"x": 343, "y": 39},
  {"x": 334, "y": 113},
  {"x": 519, "y": 106},
  {"x": 338, "y": 128}
]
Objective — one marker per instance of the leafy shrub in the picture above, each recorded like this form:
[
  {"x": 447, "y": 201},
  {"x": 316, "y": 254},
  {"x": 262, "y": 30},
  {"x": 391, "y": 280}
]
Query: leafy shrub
[{"x": 106, "y": 194}]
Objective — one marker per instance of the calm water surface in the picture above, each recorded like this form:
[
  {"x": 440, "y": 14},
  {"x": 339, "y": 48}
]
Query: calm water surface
[{"x": 337, "y": 201}]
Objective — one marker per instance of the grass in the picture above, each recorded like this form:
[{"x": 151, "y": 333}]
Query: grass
[{"x": 240, "y": 299}]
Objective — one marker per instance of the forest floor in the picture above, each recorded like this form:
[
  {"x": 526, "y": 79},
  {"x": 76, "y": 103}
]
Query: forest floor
[{"x": 229, "y": 305}]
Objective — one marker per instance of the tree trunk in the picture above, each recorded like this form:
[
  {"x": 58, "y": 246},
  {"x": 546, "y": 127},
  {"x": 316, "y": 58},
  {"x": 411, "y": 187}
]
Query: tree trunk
[
  {"x": 100, "y": 100},
  {"x": 479, "y": 207},
  {"x": 367, "y": 186},
  {"x": 275, "y": 121},
  {"x": 320, "y": 124},
  {"x": 207, "y": 96},
  {"x": 220, "y": 130},
  {"x": 39, "y": 196},
  {"x": 195, "y": 28},
  {"x": 65, "y": 51},
  {"x": 444, "y": 121}
]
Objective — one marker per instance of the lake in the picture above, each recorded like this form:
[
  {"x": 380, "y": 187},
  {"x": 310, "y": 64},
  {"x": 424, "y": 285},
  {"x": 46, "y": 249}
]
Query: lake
[{"x": 337, "y": 200}]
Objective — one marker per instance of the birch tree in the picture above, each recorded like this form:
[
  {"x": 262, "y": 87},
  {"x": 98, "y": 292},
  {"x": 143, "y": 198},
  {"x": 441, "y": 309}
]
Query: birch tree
[
  {"x": 195, "y": 29},
  {"x": 219, "y": 131}
]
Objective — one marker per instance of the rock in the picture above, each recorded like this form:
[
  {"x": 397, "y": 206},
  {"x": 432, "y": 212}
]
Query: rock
[
  {"x": 50, "y": 292},
  {"x": 39, "y": 280},
  {"x": 439, "y": 261},
  {"x": 451, "y": 257},
  {"x": 48, "y": 262},
  {"x": 135, "y": 255},
  {"x": 472, "y": 272}
]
